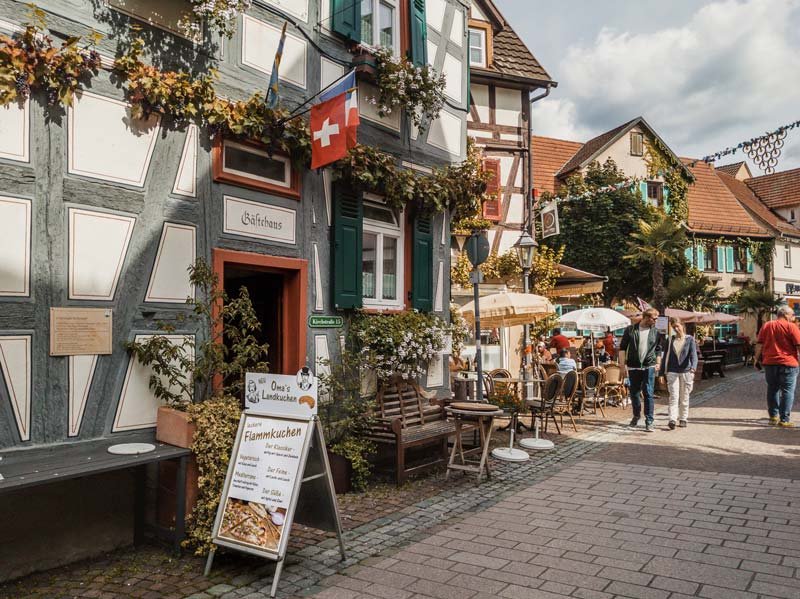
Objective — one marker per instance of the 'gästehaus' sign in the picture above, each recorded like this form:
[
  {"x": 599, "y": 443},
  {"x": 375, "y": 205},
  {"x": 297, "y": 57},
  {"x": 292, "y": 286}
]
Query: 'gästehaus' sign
[{"x": 260, "y": 221}]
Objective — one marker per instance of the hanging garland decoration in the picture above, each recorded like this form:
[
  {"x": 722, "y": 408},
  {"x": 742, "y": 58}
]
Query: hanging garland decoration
[{"x": 764, "y": 150}]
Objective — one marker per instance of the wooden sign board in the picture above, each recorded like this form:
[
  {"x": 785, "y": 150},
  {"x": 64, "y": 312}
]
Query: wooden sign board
[
  {"x": 278, "y": 474},
  {"x": 80, "y": 331}
]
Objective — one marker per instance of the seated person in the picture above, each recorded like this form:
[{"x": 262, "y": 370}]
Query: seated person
[
  {"x": 603, "y": 356},
  {"x": 565, "y": 363},
  {"x": 543, "y": 353}
]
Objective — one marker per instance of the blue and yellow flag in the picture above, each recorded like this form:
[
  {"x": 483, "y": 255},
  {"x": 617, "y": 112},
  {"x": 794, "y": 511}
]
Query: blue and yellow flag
[{"x": 272, "y": 90}]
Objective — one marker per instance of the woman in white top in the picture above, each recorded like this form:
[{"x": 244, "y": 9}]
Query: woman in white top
[{"x": 679, "y": 365}]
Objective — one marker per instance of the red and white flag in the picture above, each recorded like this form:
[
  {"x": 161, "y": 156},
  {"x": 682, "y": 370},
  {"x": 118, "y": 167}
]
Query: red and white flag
[
  {"x": 329, "y": 137},
  {"x": 352, "y": 118}
]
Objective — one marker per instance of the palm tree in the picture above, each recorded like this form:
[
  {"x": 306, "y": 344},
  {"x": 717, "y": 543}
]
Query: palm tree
[
  {"x": 758, "y": 300},
  {"x": 657, "y": 244},
  {"x": 694, "y": 291}
]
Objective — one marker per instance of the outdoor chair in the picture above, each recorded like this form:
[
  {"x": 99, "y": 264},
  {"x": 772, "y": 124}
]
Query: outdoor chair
[
  {"x": 591, "y": 383},
  {"x": 613, "y": 385},
  {"x": 550, "y": 367},
  {"x": 543, "y": 408},
  {"x": 500, "y": 373},
  {"x": 565, "y": 402}
]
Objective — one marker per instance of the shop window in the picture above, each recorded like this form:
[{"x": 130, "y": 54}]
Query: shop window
[
  {"x": 477, "y": 47},
  {"x": 251, "y": 166},
  {"x": 382, "y": 255},
  {"x": 637, "y": 144}
]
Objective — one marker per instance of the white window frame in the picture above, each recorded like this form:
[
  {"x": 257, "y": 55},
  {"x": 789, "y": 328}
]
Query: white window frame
[
  {"x": 787, "y": 256},
  {"x": 287, "y": 165},
  {"x": 482, "y": 34},
  {"x": 375, "y": 41},
  {"x": 381, "y": 230}
]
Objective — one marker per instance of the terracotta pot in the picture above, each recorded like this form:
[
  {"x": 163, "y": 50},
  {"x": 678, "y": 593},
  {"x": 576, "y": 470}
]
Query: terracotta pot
[
  {"x": 341, "y": 472},
  {"x": 173, "y": 427}
]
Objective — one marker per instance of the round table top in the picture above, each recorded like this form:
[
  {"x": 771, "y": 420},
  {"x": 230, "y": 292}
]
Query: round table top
[{"x": 473, "y": 409}]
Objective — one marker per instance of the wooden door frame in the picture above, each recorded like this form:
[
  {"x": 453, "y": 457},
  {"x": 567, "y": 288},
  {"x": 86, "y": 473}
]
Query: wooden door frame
[{"x": 295, "y": 273}]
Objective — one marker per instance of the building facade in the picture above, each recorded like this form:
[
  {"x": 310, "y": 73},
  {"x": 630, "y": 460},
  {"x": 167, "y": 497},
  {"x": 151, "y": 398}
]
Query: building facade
[{"x": 100, "y": 209}]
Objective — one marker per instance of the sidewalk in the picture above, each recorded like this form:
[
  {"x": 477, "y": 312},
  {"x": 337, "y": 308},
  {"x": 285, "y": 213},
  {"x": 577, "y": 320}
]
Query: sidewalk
[{"x": 554, "y": 511}]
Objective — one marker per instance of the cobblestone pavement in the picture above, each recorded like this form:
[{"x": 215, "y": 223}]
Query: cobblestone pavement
[{"x": 385, "y": 521}]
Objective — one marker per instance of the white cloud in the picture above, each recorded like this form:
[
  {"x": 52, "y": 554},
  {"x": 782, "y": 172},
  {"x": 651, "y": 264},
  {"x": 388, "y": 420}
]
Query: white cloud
[{"x": 727, "y": 74}]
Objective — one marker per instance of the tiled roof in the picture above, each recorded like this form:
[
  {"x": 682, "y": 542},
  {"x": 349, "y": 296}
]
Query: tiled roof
[
  {"x": 751, "y": 203},
  {"x": 778, "y": 189},
  {"x": 548, "y": 155},
  {"x": 713, "y": 209},
  {"x": 730, "y": 169},
  {"x": 511, "y": 55},
  {"x": 591, "y": 147}
]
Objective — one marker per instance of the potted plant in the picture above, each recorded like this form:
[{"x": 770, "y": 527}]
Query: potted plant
[{"x": 200, "y": 385}]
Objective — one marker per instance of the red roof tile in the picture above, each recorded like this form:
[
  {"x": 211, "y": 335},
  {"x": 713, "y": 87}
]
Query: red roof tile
[
  {"x": 730, "y": 169},
  {"x": 778, "y": 189},
  {"x": 591, "y": 147},
  {"x": 752, "y": 204},
  {"x": 548, "y": 155},
  {"x": 713, "y": 209}
]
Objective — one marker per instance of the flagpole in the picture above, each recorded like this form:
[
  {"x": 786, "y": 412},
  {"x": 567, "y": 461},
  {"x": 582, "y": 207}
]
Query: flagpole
[{"x": 295, "y": 114}]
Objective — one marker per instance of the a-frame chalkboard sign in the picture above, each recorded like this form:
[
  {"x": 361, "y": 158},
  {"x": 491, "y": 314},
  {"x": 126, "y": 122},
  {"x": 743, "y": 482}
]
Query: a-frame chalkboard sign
[{"x": 278, "y": 473}]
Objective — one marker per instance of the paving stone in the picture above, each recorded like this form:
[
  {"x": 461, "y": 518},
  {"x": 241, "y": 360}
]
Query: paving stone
[{"x": 698, "y": 572}]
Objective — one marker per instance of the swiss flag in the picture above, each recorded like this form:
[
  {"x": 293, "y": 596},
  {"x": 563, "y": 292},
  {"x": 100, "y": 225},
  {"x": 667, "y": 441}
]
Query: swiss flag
[{"x": 328, "y": 131}]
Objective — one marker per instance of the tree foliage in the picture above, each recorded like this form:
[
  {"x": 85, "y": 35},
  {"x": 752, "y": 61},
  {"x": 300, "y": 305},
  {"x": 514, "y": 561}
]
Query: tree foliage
[
  {"x": 594, "y": 229},
  {"x": 756, "y": 299},
  {"x": 693, "y": 291}
]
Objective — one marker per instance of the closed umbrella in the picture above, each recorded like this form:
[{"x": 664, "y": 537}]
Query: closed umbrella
[{"x": 509, "y": 309}]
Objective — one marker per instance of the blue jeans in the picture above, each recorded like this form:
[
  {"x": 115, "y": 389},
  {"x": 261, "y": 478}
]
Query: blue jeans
[
  {"x": 642, "y": 383},
  {"x": 781, "y": 381}
]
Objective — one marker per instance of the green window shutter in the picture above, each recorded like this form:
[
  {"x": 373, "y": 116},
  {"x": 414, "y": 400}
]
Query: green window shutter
[
  {"x": 422, "y": 255},
  {"x": 347, "y": 240},
  {"x": 729, "y": 259},
  {"x": 643, "y": 190},
  {"x": 720, "y": 258},
  {"x": 667, "y": 206},
  {"x": 419, "y": 33},
  {"x": 689, "y": 253},
  {"x": 749, "y": 261},
  {"x": 701, "y": 258},
  {"x": 346, "y": 18}
]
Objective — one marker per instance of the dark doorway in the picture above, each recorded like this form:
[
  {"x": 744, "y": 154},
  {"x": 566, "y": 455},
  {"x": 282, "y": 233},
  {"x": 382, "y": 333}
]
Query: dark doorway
[{"x": 267, "y": 294}]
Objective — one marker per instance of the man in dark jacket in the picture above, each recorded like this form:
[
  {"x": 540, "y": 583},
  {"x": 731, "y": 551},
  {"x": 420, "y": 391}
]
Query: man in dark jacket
[{"x": 640, "y": 356}]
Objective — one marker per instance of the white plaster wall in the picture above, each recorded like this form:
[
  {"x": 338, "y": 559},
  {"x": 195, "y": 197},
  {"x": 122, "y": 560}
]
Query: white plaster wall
[
  {"x": 783, "y": 274},
  {"x": 15, "y": 131},
  {"x": 480, "y": 96},
  {"x": 15, "y": 364},
  {"x": 620, "y": 152},
  {"x": 370, "y": 112},
  {"x": 298, "y": 8},
  {"x": 434, "y": 14},
  {"x": 476, "y": 13},
  {"x": 508, "y": 107},
  {"x": 169, "y": 280},
  {"x": 457, "y": 29},
  {"x": 15, "y": 246},
  {"x": 329, "y": 72},
  {"x": 186, "y": 179},
  {"x": 452, "y": 73},
  {"x": 259, "y": 43},
  {"x": 446, "y": 133}
]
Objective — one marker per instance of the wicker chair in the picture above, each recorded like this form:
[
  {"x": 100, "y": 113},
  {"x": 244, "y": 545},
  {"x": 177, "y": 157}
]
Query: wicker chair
[
  {"x": 565, "y": 402},
  {"x": 591, "y": 384},
  {"x": 543, "y": 408},
  {"x": 613, "y": 385}
]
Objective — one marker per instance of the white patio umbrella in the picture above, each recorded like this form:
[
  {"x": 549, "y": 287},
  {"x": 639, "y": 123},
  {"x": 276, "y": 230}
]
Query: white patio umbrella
[
  {"x": 508, "y": 309},
  {"x": 595, "y": 320}
]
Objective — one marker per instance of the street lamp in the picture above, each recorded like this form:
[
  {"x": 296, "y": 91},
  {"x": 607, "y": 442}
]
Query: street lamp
[
  {"x": 525, "y": 247},
  {"x": 477, "y": 252}
]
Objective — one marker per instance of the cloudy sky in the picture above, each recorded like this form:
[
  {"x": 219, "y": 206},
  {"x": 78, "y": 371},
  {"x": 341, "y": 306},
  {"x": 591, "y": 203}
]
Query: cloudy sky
[{"x": 705, "y": 74}]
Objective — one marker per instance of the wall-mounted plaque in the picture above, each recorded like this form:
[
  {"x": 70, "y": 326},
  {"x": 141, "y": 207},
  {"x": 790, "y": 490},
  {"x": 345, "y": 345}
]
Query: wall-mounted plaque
[
  {"x": 261, "y": 221},
  {"x": 80, "y": 331}
]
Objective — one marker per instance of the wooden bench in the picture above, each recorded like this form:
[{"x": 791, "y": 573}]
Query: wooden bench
[
  {"x": 406, "y": 417},
  {"x": 25, "y": 468},
  {"x": 713, "y": 361}
]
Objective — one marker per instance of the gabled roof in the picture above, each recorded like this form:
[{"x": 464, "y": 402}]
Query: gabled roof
[
  {"x": 752, "y": 204},
  {"x": 713, "y": 209},
  {"x": 778, "y": 189},
  {"x": 734, "y": 168},
  {"x": 548, "y": 156},
  {"x": 595, "y": 146},
  {"x": 512, "y": 58}
]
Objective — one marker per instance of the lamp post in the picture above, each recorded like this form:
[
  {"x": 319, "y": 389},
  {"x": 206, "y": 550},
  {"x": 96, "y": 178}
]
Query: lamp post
[{"x": 525, "y": 247}]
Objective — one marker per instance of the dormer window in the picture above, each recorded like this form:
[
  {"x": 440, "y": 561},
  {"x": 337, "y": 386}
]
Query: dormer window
[
  {"x": 637, "y": 144},
  {"x": 477, "y": 47}
]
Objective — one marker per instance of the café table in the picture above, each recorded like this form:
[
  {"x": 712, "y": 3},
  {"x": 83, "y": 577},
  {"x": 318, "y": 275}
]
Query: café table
[{"x": 472, "y": 412}]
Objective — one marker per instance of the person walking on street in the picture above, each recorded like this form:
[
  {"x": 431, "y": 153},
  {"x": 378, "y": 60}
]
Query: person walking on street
[
  {"x": 640, "y": 355},
  {"x": 679, "y": 365},
  {"x": 776, "y": 349}
]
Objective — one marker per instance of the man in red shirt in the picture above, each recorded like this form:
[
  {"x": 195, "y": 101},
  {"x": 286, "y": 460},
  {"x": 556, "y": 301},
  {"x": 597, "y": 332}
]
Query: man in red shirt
[
  {"x": 777, "y": 347},
  {"x": 559, "y": 341},
  {"x": 608, "y": 343}
]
